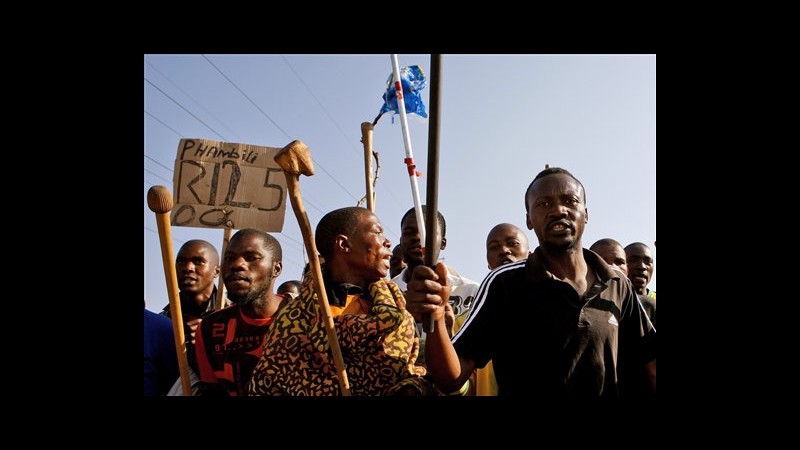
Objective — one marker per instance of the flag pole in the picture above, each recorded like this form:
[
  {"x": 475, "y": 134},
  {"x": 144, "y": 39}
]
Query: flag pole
[
  {"x": 434, "y": 239},
  {"x": 412, "y": 168}
]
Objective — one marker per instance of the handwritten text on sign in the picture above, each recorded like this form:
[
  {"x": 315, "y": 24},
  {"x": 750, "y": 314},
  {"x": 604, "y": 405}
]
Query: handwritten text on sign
[{"x": 223, "y": 184}]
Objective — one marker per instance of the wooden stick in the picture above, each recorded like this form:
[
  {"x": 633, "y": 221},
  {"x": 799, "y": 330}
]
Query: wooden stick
[
  {"x": 366, "y": 139},
  {"x": 226, "y": 238},
  {"x": 295, "y": 159},
  {"x": 159, "y": 200}
]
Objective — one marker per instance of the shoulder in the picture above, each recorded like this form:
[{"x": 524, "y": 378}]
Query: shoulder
[
  {"x": 507, "y": 270},
  {"x": 457, "y": 280},
  {"x": 156, "y": 319}
]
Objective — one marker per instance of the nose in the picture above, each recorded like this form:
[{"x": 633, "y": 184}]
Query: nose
[
  {"x": 236, "y": 264},
  {"x": 185, "y": 267},
  {"x": 386, "y": 242}
]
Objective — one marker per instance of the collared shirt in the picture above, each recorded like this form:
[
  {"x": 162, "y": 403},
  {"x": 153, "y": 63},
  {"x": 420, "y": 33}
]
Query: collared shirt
[{"x": 546, "y": 340}]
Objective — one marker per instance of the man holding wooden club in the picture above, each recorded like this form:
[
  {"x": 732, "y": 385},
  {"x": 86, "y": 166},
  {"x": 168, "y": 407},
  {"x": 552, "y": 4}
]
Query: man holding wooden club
[{"x": 376, "y": 333}]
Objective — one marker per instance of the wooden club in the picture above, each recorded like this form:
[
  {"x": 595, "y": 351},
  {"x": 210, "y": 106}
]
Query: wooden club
[
  {"x": 159, "y": 200},
  {"x": 295, "y": 159}
]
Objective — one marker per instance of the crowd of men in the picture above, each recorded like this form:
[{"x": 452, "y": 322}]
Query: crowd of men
[{"x": 584, "y": 319}]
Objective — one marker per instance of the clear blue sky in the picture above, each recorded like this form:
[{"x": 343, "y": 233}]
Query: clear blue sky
[{"x": 503, "y": 118}]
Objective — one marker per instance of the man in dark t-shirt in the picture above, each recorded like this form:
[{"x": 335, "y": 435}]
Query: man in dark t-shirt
[
  {"x": 230, "y": 341},
  {"x": 583, "y": 332}
]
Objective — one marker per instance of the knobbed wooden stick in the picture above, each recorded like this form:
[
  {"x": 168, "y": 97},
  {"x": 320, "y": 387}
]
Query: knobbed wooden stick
[
  {"x": 366, "y": 139},
  {"x": 295, "y": 159},
  {"x": 159, "y": 200}
]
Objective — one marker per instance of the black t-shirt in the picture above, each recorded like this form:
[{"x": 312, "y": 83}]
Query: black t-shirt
[{"x": 545, "y": 340}]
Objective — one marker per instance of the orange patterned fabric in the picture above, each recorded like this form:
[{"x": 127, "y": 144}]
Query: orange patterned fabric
[{"x": 379, "y": 348}]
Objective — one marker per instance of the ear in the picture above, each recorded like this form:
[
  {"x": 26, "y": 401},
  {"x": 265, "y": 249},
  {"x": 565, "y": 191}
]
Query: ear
[
  {"x": 586, "y": 215},
  {"x": 342, "y": 244},
  {"x": 444, "y": 243},
  {"x": 528, "y": 221},
  {"x": 216, "y": 271},
  {"x": 277, "y": 268}
]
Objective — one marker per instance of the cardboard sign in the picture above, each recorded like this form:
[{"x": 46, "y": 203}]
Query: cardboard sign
[{"x": 223, "y": 184}]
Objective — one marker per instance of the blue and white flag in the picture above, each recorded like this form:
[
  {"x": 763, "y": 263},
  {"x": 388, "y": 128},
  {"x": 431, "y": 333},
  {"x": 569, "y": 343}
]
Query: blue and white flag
[{"x": 412, "y": 78}]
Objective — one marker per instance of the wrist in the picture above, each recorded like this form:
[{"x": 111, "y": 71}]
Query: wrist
[{"x": 461, "y": 392}]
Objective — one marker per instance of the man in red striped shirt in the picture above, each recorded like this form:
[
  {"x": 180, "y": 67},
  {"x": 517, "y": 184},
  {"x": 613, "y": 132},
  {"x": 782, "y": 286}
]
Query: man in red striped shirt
[{"x": 230, "y": 341}]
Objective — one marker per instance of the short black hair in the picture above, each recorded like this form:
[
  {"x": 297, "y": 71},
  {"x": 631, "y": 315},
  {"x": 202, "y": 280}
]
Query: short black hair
[
  {"x": 608, "y": 242},
  {"x": 339, "y": 221},
  {"x": 205, "y": 244},
  {"x": 442, "y": 222},
  {"x": 270, "y": 243},
  {"x": 553, "y": 171},
  {"x": 284, "y": 287},
  {"x": 635, "y": 244}
]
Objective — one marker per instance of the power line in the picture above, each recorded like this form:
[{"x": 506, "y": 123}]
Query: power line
[
  {"x": 320, "y": 104},
  {"x": 291, "y": 238},
  {"x": 159, "y": 176},
  {"x": 156, "y": 232},
  {"x": 192, "y": 99},
  {"x": 151, "y": 159},
  {"x": 246, "y": 96},
  {"x": 329, "y": 115},
  {"x": 162, "y": 123},
  {"x": 276, "y": 125},
  {"x": 184, "y": 108}
]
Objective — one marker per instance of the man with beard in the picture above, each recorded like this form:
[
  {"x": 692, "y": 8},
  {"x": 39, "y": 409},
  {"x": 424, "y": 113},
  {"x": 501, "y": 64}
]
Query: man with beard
[
  {"x": 585, "y": 332},
  {"x": 230, "y": 341}
]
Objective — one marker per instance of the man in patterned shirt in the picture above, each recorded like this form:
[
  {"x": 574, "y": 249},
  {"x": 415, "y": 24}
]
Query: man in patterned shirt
[{"x": 375, "y": 332}]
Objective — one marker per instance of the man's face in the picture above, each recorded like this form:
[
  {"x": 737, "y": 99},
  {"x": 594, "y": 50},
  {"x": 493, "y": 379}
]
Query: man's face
[
  {"x": 614, "y": 255},
  {"x": 640, "y": 267},
  {"x": 556, "y": 212},
  {"x": 505, "y": 244},
  {"x": 410, "y": 240},
  {"x": 196, "y": 267},
  {"x": 248, "y": 269},
  {"x": 370, "y": 251}
]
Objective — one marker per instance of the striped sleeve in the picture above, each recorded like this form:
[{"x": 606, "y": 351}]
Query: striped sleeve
[{"x": 474, "y": 339}]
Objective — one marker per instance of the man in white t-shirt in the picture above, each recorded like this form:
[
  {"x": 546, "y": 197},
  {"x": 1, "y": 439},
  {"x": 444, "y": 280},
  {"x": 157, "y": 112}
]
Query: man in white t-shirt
[{"x": 462, "y": 290}]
